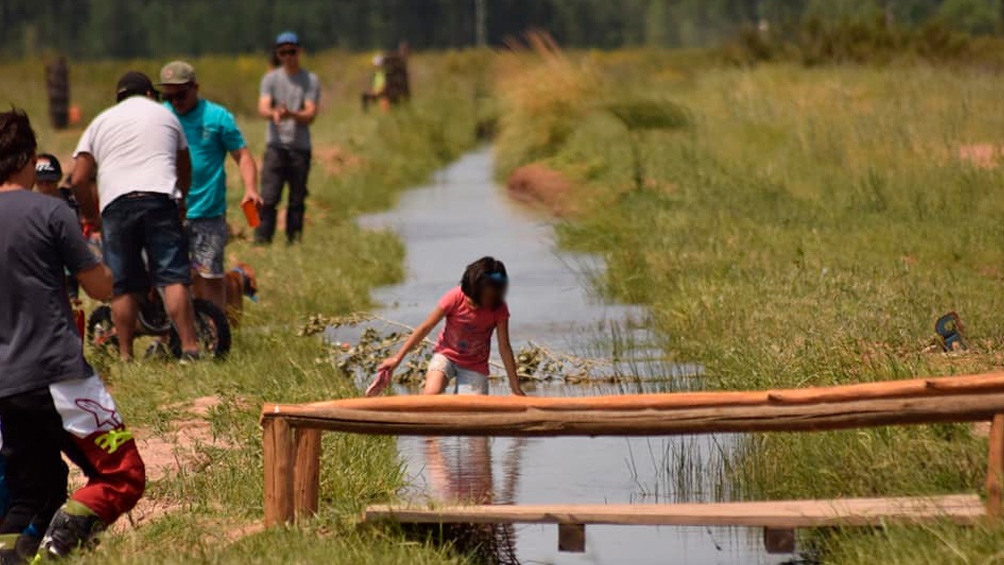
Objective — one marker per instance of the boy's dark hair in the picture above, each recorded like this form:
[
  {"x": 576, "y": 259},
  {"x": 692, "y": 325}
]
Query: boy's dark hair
[
  {"x": 17, "y": 143},
  {"x": 485, "y": 272}
]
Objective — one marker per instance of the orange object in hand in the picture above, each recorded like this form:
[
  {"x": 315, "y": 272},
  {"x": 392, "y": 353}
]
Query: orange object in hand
[{"x": 251, "y": 213}]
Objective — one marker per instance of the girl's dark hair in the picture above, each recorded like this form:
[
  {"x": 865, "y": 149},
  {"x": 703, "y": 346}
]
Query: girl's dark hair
[
  {"x": 485, "y": 272},
  {"x": 17, "y": 143}
]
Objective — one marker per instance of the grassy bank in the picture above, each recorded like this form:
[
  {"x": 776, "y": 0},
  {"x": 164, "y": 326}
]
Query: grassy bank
[
  {"x": 206, "y": 499},
  {"x": 795, "y": 227}
]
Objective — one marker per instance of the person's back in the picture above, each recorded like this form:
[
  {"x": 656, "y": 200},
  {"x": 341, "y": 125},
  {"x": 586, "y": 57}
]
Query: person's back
[
  {"x": 39, "y": 343},
  {"x": 135, "y": 145}
]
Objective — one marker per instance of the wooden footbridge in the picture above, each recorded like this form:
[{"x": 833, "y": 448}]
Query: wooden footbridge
[{"x": 292, "y": 435}]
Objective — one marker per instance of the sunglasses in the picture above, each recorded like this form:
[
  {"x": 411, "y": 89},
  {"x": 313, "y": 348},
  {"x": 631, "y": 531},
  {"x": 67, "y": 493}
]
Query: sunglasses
[
  {"x": 287, "y": 52},
  {"x": 177, "y": 96}
]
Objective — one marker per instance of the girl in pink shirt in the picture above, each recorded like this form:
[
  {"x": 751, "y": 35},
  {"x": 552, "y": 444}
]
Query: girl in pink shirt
[{"x": 473, "y": 311}]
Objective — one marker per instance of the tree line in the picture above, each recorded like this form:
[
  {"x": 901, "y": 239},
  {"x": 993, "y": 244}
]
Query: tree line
[{"x": 145, "y": 28}]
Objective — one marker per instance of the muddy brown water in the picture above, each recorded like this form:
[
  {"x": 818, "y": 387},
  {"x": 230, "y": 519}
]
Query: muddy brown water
[{"x": 463, "y": 214}]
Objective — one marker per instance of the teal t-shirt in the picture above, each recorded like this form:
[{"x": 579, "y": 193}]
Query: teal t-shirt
[{"x": 212, "y": 133}]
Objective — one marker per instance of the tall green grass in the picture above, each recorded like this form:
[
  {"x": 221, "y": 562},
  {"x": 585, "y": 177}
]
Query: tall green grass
[
  {"x": 361, "y": 163},
  {"x": 805, "y": 228}
]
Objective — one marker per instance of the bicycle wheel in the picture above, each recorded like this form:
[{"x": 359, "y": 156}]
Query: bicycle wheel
[
  {"x": 211, "y": 329},
  {"x": 101, "y": 331}
]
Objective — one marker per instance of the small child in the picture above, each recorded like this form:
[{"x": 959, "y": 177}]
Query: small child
[{"x": 473, "y": 311}]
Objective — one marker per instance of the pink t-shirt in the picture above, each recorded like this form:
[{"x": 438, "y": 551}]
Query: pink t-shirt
[{"x": 466, "y": 338}]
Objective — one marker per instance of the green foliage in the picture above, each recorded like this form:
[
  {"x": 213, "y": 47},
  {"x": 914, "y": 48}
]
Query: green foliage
[
  {"x": 148, "y": 28},
  {"x": 362, "y": 161},
  {"x": 807, "y": 229}
]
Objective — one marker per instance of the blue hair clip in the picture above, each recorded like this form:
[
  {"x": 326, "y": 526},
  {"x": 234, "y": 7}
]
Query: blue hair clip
[{"x": 498, "y": 277}]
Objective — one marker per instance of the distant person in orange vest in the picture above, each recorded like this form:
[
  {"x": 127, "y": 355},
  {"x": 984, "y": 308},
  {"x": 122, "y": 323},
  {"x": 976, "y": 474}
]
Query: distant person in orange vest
[{"x": 289, "y": 99}]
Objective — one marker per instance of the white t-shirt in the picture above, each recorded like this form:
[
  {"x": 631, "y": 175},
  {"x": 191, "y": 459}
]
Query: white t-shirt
[{"x": 135, "y": 144}]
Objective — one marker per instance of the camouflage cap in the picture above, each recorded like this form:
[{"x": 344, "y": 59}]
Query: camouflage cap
[{"x": 177, "y": 72}]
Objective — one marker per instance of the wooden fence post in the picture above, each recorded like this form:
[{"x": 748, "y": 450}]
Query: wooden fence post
[
  {"x": 280, "y": 451},
  {"x": 995, "y": 469},
  {"x": 307, "y": 472}
]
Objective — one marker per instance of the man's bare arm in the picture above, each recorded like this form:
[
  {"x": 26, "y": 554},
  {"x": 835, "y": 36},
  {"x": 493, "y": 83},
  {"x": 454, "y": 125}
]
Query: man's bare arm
[
  {"x": 184, "y": 167},
  {"x": 84, "y": 170},
  {"x": 249, "y": 174},
  {"x": 96, "y": 282}
]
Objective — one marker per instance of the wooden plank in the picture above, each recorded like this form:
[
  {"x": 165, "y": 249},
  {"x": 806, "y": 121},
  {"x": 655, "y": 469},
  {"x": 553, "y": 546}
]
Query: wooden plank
[
  {"x": 279, "y": 454},
  {"x": 934, "y": 408},
  {"x": 960, "y": 509},
  {"x": 572, "y": 538},
  {"x": 307, "y": 473},
  {"x": 988, "y": 382},
  {"x": 995, "y": 468}
]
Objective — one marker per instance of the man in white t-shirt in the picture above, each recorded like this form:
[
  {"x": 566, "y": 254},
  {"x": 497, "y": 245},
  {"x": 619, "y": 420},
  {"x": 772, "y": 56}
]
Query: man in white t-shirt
[{"x": 143, "y": 168}]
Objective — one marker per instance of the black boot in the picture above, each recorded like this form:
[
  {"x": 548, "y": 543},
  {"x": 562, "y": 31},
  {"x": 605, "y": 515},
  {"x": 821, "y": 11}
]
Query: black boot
[
  {"x": 17, "y": 549},
  {"x": 73, "y": 527}
]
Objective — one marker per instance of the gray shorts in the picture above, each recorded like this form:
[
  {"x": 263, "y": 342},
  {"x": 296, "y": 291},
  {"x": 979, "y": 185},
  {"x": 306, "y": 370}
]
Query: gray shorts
[
  {"x": 465, "y": 381},
  {"x": 207, "y": 240}
]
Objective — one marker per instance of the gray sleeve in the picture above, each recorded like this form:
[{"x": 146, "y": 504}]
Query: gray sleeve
[
  {"x": 314, "y": 89},
  {"x": 72, "y": 247},
  {"x": 266, "y": 85}
]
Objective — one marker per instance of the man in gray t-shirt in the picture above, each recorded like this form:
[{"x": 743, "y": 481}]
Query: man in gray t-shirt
[{"x": 288, "y": 100}]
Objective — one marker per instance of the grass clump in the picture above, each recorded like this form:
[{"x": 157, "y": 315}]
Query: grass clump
[
  {"x": 206, "y": 505},
  {"x": 807, "y": 227}
]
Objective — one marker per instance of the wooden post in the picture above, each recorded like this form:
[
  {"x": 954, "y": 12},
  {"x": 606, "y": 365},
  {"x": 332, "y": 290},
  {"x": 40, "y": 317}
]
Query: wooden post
[
  {"x": 572, "y": 538},
  {"x": 779, "y": 540},
  {"x": 995, "y": 469},
  {"x": 279, "y": 458},
  {"x": 307, "y": 472}
]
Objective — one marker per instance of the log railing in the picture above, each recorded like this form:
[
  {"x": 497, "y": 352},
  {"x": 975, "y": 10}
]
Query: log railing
[{"x": 292, "y": 431}]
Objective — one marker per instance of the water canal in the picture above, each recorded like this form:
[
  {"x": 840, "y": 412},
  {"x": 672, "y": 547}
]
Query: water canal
[{"x": 462, "y": 215}]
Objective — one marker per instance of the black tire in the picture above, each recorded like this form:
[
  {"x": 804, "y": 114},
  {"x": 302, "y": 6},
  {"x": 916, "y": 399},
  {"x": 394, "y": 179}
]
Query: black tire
[
  {"x": 212, "y": 330},
  {"x": 101, "y": 330}
]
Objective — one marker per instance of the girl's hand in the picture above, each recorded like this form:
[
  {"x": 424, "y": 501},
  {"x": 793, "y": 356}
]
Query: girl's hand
[
  {"x": 381, "y": 382},
  {"x": 517, "y": 391},
  {"x": 389, "y": 364}
]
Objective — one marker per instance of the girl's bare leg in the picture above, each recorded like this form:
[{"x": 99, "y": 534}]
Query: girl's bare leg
[{"x": 435, "y": 382}]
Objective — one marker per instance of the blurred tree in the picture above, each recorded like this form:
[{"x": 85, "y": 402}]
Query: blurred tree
[{"x": 136, "y": 28}]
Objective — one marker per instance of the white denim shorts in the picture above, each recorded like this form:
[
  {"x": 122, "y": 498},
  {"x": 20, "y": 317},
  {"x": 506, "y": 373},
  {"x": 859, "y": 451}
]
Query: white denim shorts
[{"x": 465, "y": 381}]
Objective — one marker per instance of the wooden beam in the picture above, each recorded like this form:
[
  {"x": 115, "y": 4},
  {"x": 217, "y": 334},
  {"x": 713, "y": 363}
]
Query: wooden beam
[
  {"x": 960, "y": 509},
  {"x": 307, "y": 473},
  {"x": 995, "y": 469},
  {"x": 933, "y": 407},
  {"x": 279, "y": 457},
  {"x": 945, "y": 386}
]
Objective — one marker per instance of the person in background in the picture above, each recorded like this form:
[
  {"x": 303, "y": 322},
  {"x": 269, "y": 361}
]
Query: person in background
[
  {"x": 141, "y": 157},
  {"x": 289, "y": 99},
  {"x": 378, "y": 90},
  {"x": 212, "y": 133},
  {"x": 51, "y": 400},
  {"x": 48, "y": 175}
]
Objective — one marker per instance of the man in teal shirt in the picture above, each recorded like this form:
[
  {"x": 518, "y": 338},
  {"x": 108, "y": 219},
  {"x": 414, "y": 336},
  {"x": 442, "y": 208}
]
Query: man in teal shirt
[{"x": 211, "y": 133}]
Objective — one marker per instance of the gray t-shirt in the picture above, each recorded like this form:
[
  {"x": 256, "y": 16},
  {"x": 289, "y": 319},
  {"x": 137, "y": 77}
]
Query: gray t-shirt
[
  {"x": 39, "y": 342},
  {"x": 293, "y": 91}
]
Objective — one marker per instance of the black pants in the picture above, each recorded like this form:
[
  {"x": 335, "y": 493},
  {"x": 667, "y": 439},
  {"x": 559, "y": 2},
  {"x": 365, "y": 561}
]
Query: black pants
[
  {"x": 283, "y": 166},
  {"x": 33, "y": 438}
]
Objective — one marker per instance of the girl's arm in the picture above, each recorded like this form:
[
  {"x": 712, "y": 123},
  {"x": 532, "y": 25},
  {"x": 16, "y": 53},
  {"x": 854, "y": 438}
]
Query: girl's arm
[
  {"x": 505, "y": 351},
  {"x": 416, "y": 337}
]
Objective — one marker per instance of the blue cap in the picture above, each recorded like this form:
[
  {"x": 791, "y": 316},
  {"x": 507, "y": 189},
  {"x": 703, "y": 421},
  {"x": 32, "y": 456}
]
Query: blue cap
[{"x": 287, "y": 38}]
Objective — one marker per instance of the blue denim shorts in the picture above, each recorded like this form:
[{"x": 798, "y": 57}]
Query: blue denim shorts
[
  {"x": 143, "y": 229},
  {"x": 207, "y": 240}
]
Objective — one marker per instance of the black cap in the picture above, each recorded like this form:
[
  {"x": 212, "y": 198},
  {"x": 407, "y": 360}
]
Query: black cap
[
  {"x": 47, "y": 168},
  {"x": 133, "y": 83}
]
